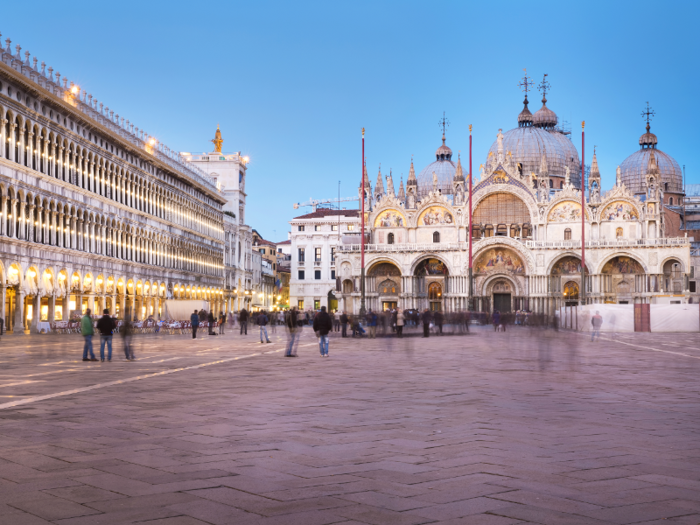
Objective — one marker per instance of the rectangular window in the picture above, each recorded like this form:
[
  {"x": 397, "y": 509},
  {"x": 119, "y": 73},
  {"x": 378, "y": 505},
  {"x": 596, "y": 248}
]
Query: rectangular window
[
  {"x": 332, "y": 254},
  {"x": 317, "y": 304},
  {"x": 301, "y": 275},
  {"x": 262, "y": 251},
  {"x": 317, "y": 275},
  {"x": 317, "y": 228},
  {"x": 317, "y": 254},
  {"x": 301, "y": 228},
  {"x": 334, "y": 227},
  {"x": 300, "y": 304},
  {"x": 301, "y": 255},
  {"x": 332, "y": 274},
  {"x": 351, "y": 227},
  {"x": 692, "y": 286}
]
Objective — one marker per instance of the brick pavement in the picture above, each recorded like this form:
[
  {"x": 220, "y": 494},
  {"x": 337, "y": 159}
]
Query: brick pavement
[{"x": 490, "y": 428}]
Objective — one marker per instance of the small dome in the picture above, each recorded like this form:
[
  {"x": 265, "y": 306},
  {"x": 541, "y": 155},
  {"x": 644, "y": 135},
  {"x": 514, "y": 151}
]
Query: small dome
[
  {"x": 443, "y": 152},
  {"x": 648, "y": 140},
  {"x": 634, "y": 171},
  {"x": 544, "y": 117},
  {"x": 525, "y": 117}
]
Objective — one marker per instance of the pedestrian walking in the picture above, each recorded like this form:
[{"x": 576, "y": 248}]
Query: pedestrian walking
[
  {"x": 372, "y": 323},
  {"x": 496, "y": 320},
  {"x": 336, "y": 322},
  {"x": 596, "y": 323},
  {"x": 400, "y": 320},
  {"x": 323, "y": 325},
  {"x": 243, "y": 321},
  {"x": 439, "y": 319},
  {"x": 106, "y": 326},
  {"x": 127, "y": 332},
  {"x": 194, "y": 321},
  {"x": 212, "y": 323},
  {"x": 293, "y": 330},
  {"x": 426, "y": 318},
  {"x": 344, "y": 324},
  {"x": 274, "y": 318},
  {"x": 262, "y": 323},
  {"x": 87, "y": 331},
  {"x": 222, "y": 323}
]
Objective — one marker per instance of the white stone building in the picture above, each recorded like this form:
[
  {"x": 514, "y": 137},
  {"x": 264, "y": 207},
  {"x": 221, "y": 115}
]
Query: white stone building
[
  {"x": 526, "y": 231},
  {"x": 314, "y": 241},
  {"x": 95, "y": 212}
]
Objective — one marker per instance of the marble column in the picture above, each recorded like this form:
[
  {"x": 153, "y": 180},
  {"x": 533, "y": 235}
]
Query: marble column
[
  {"x": 3, "y": 313},
  {"x": 18, "y": 327},
  {"x": 36, "y": 313},
  {"x": 52, "y": 308}
]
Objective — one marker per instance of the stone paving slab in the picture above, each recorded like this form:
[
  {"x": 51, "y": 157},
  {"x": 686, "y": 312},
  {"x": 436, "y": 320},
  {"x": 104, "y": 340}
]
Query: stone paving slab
[{"x": 479, "y": 429}]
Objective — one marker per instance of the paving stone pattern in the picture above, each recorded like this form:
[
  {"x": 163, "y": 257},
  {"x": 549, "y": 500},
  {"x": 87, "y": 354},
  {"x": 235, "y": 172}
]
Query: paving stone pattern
[{"x": 482, "y": 429}]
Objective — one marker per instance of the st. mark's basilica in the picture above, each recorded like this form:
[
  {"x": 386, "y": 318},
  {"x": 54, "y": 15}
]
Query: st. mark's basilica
[{"x": 526, "y": 229}]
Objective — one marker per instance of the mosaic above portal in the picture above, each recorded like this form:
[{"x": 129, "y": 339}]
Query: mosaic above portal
[
  {"x": 435, "y": 215},
  {"x": 499, "y": 260},
  {"x": 623, "y": 265},
  {"x": 619, "y": 211},
  {"x": 431, "y": 267},
  {"x": 389, "y": 219},
  {"x": 567, "y": 211},
  {"x": 567, "y": 266}
]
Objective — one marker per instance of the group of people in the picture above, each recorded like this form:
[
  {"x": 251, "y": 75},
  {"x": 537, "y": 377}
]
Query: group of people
[{"x": 106, "y": 325}]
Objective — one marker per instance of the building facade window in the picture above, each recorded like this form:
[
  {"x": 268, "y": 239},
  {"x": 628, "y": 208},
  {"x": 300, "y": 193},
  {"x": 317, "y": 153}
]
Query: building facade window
[
  {"x": 317, "y": 254},
  {"x": 301, "y": 228},
  {"x": 317, "y": 228},
  {"x": 317, "y": 304},
  {"x": 619, "y": 233},
  {"x": 436, "y": 236},
  {"x": 300, "y": 304},
  {"x": 317, "y": 275},
  {"x": 390, "y": 238},
  {"x": 351, "y": 227},
  {"x": 332, "y": 274},
  {"x": 567, "y": 234},
  {"x": 302, "y": 253},
  {"x": 334, "y": 227},
  {"x": 301, "y": 275}
]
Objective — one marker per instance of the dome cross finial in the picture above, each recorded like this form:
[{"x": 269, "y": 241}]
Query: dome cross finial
[
  {"x": 544, "y": 87},
  {"x": 443, "y": 123},
  {"x": 647, "y": 115}
]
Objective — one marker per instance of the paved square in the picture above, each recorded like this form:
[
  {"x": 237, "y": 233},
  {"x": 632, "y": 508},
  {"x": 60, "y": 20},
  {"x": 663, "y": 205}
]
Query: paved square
[{"x": 488, "y": 428}]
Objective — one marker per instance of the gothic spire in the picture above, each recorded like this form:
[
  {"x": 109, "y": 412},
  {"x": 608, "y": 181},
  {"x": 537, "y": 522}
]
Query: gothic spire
[
  {"x": 402, "y": 193},
  {"x": 412, "y": 181},
  {"x": 390, "y": 185}
]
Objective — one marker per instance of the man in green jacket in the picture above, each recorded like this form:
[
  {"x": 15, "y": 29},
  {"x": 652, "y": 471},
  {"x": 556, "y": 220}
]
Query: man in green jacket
[{"x": 88, "y": 331}]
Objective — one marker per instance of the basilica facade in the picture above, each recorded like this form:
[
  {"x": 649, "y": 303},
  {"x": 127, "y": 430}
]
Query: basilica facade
[{"x": 526, "y": 216}]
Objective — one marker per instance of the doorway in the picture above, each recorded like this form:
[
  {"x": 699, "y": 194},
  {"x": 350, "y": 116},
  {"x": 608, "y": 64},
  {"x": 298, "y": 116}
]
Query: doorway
[
  {"x": 501, "y": 302},
  {"x": 435, "y": 297},
  {"x": 388, "y": 305}
]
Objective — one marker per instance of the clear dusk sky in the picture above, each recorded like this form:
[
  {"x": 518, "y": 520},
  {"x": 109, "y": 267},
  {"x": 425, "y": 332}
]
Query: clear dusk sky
[{"x": 293, "y": 83}]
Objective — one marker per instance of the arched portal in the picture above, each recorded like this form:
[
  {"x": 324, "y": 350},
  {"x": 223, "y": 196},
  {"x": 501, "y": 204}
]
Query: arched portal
[
  {"x": 501, "y": 214},
  {"x": 622, "y": 277},
  {"x": 435, "y": 296},
  {"x": 430, "y": 283},
  {"x": 385, "y": 282},
  {"x": 571, "y": 293}
]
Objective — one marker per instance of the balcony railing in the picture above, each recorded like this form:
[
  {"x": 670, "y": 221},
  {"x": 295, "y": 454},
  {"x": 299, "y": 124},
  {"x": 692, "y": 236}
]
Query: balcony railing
[{"x": 438, "y": 247}]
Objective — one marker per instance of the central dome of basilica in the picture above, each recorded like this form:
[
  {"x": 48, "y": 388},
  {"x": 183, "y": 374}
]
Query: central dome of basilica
[
  {"x": 537, "y": 135},
  {"x": 443, "y": 167}
]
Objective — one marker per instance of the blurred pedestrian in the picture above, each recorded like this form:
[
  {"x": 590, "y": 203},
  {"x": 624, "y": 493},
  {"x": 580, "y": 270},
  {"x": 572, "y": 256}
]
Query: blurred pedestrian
[
  {"x": 211, "y": 320},
  {"x": 372, "y": 323},
  {"x": 426, "y": 318},
  {"x": 596, "y": 322},
  {"x": 106, "y": 326},
  {"x": 344, "y": 324},
  {"x": 87, "y": 330},
  {"x": 439, "y": 320},
  {"x": 194, "y": 322},
  {"x": 496, "y": 320},
  {"x": 222, "y": 323},
  {"x": 323, "y": 325},
  {"x": 400, "y": 320},
  {"x": 262, "y": 323},
  {"x": 127, "y": 331},
  {"x": 293, "y": 330},
  {"x": 243, "y": 321}
]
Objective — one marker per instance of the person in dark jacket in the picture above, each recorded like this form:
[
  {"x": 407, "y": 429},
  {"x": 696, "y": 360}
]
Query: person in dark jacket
[
  {"x": 323, "y": 324},
  {"x": 126, "y": 332},
  {"x": 202, "y": 315},
  {"x": 344, "y": 323},
  {"x": 262, "y": 323},
  {"x": 194, "y": 321},
  {"x": 426, "y": 317},
  {"x": 439, "y": 319},
  {"x": 243, "y": 320},
  {"x": 212, "y": 323},
  {"x": 106, "y": 326},
  {"x": 293, "y": 331},
  {"x": 222, "y": 323}
]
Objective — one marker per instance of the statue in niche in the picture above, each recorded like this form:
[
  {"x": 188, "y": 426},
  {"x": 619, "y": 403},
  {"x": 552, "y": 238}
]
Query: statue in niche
[
  {"x": 595, "y": 192},
  {"x": 435, "y": 182},
  {"x": 499, "y": 138},
  {"x": 411, "y": 201}
]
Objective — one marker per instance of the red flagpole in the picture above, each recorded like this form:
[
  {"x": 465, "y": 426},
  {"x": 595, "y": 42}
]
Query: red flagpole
[
  {"x": 471, "y": 289},
  {"x": 583, "y": 214},
  {"x": 362, "y": 241}
]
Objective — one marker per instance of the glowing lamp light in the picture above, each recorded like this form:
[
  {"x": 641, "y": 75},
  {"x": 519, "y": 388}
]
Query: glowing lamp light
[
  {"x": 74, "y": 90},
  {"x": 152, "y": 142},
  {"x": 31, "y": 274}
]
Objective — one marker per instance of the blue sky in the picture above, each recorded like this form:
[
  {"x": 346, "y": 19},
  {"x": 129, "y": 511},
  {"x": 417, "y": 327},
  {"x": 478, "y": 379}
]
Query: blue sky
[{"x": 293, "y": 83}]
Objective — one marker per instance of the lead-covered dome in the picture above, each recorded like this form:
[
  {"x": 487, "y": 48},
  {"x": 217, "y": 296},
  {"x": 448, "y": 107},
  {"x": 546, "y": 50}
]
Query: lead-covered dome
[
  {"x": 528, "y": 143},
  {"x": 634, "y": 168},
  {"x": 443, "y": 167}
]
